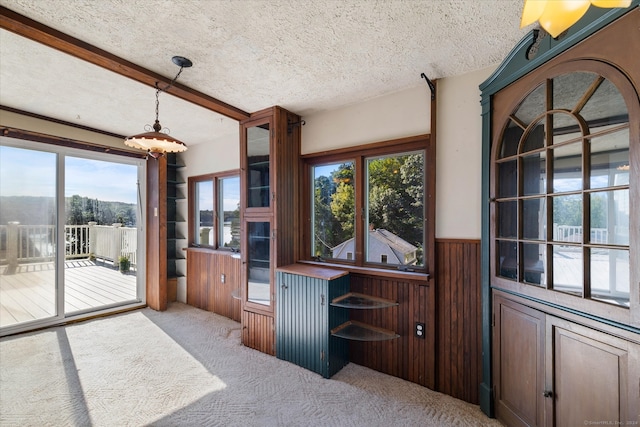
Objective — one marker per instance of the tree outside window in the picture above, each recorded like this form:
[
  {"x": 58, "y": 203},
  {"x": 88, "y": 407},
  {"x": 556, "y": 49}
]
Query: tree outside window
[{"x": 389, "y": 202}]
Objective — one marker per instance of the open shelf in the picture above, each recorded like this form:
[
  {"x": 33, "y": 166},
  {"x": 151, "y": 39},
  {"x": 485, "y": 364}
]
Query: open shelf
[
  {"x": 173, "y": 195},
  {"x": 361, "y": 301},
  {"x": 263, "y": 164},
  {"x": 357, "y": 331}
]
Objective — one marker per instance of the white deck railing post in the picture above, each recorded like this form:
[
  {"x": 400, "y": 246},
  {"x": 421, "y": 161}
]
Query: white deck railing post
[
  {"x": 204, "y": 235},
  {"x": 92, "y": 238},
  {"x": 12, "y": 246},
  {"x": 117, "y": 243}
]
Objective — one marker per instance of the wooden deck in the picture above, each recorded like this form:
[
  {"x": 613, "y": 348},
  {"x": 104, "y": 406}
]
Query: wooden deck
[{"x": 29, "y": 293}]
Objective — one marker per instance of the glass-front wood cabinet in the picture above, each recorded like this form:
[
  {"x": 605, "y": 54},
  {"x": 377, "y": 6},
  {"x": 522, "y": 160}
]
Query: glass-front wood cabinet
[
  {"x": 258, "y": 166},
  {"x": 562, "y": 191},
  {"x": 257, "y": 140},
  {"x": 258, "y": 261},
  {"x": 562, "y": 237},
  {"x": 270, "y": 152}
]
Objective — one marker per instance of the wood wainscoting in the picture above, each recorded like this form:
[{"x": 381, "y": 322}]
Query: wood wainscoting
[
  {"x": 449, "y": 358},
  {"x": 407, "y": 357},
  {"x": 459, "y": 330}
]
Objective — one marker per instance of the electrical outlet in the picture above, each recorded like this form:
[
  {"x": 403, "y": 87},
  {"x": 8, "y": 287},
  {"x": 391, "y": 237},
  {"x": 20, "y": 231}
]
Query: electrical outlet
[
  {"x": 419, "y": 330},
  {"x": 223, "y": 278}
]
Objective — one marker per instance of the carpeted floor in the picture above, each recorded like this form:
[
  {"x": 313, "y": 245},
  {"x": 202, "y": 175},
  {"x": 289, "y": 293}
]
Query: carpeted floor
[{"x": 186, "y": 367}]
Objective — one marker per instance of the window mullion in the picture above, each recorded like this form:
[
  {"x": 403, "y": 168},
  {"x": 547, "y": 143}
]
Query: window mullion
[
  {"x": 360, "y": 214},
  {"x": 216, "y": 207},
  {"x": 586, "y": 218}
]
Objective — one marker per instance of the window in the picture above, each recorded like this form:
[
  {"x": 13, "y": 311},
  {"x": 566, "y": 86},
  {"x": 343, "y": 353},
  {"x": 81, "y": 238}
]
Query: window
[
  {"x": 204, "y": 213},
  {"x": 333, "y": 210},
  {"x": 368, "y": 205},
  {"x": 217, "y": 228},
  {"x": 229, "y": 212},
  {"x": 562, "y": 190}
]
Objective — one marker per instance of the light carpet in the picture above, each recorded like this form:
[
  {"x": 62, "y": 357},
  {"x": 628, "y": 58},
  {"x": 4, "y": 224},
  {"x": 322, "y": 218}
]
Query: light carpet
[{"x": 187, "y": 367}]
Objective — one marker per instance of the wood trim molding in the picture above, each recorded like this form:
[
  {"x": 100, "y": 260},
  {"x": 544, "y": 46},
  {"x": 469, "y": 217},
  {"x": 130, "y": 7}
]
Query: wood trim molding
[
  {"x": 60, "y": 122},
  {"x": 66, "y": 142},
  {"x": 383, "y": 146},
  {"x": 26, "y": 27},
  {"x": 474, "y": 241}
]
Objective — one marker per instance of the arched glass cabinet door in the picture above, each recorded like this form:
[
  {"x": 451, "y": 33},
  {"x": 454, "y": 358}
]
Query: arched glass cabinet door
[{"x": 562, "y": 185}]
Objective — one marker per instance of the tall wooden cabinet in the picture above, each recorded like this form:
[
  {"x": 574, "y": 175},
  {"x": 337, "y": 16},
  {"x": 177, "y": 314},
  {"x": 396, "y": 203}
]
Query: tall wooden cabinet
[
  {"x": 561, "y": 244},
  {"x": 269, "y": 179}
]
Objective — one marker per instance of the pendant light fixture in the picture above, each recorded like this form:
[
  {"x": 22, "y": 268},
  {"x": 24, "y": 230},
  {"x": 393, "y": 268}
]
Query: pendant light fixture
[
  {"x": 556, "y": 16},
  {"x": 158, "y": 142}
]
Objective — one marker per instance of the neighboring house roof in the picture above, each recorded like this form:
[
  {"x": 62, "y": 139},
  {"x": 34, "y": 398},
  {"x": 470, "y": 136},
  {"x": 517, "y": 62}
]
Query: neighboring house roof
[
  {"x": 395, "y": 242},
  {"x": 339, "y": 250},
  {"x": 383, "y": 239}
]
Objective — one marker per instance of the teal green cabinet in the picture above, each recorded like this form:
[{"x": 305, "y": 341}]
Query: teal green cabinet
[{"x": 305, "y": 317}]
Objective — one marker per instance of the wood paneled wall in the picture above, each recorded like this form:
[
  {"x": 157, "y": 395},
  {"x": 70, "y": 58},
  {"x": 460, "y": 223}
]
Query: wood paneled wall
[
  {"x": 459, "y": 331},
  {"x": 407, "y": 357},
  {"x": 449, "y": 358},
  {"x": 258, "y": 332}
]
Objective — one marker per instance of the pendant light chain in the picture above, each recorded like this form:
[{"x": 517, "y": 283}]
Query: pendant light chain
[
  {"x": 157, "y": 126},
  {"x": 154, "y": 140}
]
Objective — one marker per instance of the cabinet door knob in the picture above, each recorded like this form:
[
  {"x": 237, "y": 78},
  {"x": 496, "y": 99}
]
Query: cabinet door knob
[
  {"x": 285, "y": 287},
  {"x": 547, "y": 393}
]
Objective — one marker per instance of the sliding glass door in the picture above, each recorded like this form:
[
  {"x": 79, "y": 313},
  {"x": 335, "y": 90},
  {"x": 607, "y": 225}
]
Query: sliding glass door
[
  {"x": 101, "y": 206},
  {"x": 28, "y": 230},
  {"x": 70, "y": 234}
]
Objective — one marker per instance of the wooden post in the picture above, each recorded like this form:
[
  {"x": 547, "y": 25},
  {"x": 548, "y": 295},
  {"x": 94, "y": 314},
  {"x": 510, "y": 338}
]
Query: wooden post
[{"x": 156, "y": 220}]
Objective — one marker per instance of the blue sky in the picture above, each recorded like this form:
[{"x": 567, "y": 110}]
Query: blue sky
[
  {"x": 231, "y": 194},
  {"x": 33, "y": 173}
]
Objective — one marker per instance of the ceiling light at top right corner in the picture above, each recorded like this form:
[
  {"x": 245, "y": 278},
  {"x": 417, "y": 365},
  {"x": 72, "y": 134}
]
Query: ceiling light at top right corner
[{"x": 556, "y": 16}]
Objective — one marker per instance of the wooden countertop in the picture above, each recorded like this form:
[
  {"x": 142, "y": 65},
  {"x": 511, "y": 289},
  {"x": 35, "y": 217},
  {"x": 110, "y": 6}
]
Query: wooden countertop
[{"x": 323, "y": 273}]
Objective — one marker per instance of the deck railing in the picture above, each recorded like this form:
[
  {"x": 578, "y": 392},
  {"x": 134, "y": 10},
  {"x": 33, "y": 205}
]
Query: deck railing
[
  {"x": 36, "y": 243},
  {"x": 573, "y": 233}
]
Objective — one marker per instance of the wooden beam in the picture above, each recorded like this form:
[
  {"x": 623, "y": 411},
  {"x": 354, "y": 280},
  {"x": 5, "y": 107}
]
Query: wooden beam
[{"x": 27, "y": 27}]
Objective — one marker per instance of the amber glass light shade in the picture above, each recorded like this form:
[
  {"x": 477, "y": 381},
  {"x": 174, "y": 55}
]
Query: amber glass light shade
[{"x": 556, "y": 16}]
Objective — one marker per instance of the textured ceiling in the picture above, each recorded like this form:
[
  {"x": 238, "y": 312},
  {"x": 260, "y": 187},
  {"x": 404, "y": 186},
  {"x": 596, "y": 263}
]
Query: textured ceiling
[{"x": 306, "y": 56}]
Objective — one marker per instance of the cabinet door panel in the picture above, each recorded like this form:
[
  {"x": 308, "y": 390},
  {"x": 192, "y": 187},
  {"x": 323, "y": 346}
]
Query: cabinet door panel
[
  {"x": 519, "y": 363},
  {"x": 258, "y": 165},
  {"x": 258, "y": 265},
  {"x": 197, "y": 280},
  {"x": 591, "y": 375}
]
